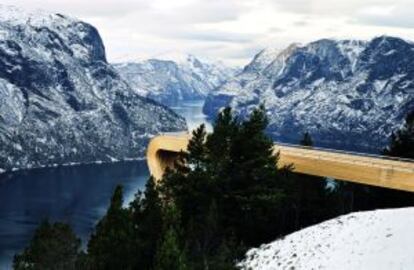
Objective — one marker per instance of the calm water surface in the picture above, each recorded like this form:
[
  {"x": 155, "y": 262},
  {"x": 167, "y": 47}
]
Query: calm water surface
[
  {"x": 77, "y": 195},
  {"x": 193, "y": 112}
]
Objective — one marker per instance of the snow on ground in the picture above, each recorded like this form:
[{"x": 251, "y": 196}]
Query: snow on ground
[{"x": 381, "y": 239}]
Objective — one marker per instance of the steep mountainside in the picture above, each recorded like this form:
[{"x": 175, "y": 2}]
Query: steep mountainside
[
  {"x": 373, "y": 240},
  {"x": 61, "y": 102},
  {"x": 347, "y": 94},
  {"x": 173, "y": 78}
]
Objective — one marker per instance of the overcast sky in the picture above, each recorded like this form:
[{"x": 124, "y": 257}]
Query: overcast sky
[{"x": 229, "y": 30}]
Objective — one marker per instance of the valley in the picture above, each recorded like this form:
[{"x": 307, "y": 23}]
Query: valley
[{"x": 76, "y": 125}]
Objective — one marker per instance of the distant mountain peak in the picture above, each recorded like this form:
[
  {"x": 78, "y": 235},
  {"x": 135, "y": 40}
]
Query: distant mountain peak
[
  {"x": 175, "y": 56},
  {"x": 349, "y": 94},
  {"x": 15, "y": 15},
  {"x": 174, "y": 76}
]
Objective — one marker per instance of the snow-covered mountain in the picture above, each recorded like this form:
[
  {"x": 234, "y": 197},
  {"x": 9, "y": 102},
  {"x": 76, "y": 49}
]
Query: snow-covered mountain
[
  {"x": 61, "y": 102},
  {"x": 173, "y": 77},
  {"x": 372, "y": 240},
  {"x": 348, "y": 94}
]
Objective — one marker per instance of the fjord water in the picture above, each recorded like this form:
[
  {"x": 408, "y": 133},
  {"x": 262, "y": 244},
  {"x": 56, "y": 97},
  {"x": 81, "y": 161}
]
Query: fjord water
[
  {"x": 193, "y": 113},
  {"x": 78, "y": 195}
]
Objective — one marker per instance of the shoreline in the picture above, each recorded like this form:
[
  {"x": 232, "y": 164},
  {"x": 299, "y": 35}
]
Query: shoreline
[{"x": 70, "y": 164}]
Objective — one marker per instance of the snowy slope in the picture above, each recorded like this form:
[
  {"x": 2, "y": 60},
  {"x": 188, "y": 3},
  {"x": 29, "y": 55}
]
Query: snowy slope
[
  {"x": 173, "y": 77},
  {"x": 348, "y": 94},
  {"x": 61, "y": 102},
  {"x": 374, "y": 240}
]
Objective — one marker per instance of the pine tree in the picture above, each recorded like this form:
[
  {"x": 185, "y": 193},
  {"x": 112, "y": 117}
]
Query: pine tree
[
  {"x": 402, "y": 141},
  {"x": 224, "y": 258},
  {"x": 254, "y": 193},
  {"x": 110, "y": 246},
  {"x": 146, "y": 213},
  {"x": 220, "y": 140},
  {"x": 228, "y": 186},
  {"x": 252, "y": 150},
  {"x": 357, "y": 197},
  {"x": 189, "y": 185},
  {"x": 196, "y": 149},
  {"x": 311, "y": 201},
  {"x": 53, "y": 246},
  {"x": 170, "y": 254},
  {"x": 306, "y": 140},
  {"x": 368, "y": 197}
]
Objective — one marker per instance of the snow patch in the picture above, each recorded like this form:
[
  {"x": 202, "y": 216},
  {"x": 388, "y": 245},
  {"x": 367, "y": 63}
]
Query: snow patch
[
  {"x": 380, "y": 84},
  {"x": 351, "y": 49},
  {"x": 390, "y": 52},
  {"x": 112, "y": 159},
  {"x": 380, "y": 239}
]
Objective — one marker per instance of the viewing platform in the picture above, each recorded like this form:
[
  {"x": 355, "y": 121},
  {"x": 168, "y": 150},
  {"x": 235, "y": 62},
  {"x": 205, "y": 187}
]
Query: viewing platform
[{"x": 375, "y": 170}]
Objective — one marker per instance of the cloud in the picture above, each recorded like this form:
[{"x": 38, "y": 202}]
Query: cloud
[
  {"x": 229, "y": 30},
  {"x": 216, "y": 36},
  {"x": 275, "y": 30},
  {"x": 295, "y": 6},
  {"x": 388, "y": 15},
  {"x": 211, "y": 11},
  {"x": 83, "y": 8},
  {"x": 300, "y": 23}
]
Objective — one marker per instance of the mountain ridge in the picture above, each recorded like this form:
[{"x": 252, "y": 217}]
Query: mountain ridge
[
  {"x": 172, "y": 79},
  {"x": 348, "y": 94},
  {"x": 60, "y": 100}
]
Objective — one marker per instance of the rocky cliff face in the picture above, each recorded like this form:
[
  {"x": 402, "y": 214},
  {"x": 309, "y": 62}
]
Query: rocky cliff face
[
  {"x": 170, "y": 79},
  {"x": 348, "y": 94},
  {"x": 61, "y": 102}
]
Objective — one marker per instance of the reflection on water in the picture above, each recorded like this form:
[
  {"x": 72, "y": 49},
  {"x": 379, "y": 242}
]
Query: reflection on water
[{"x": 78, "y": 195}]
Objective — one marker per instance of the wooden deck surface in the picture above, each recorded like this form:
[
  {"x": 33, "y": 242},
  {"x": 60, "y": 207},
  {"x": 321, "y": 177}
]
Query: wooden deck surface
[{"x": 370, "y": 170}]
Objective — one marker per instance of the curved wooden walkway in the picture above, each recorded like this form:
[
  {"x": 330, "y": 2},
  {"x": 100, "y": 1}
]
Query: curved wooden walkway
[{"x": 365, "y": 169}]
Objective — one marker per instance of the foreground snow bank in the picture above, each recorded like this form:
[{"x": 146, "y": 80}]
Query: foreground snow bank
[{"x": 381, "y": 239}]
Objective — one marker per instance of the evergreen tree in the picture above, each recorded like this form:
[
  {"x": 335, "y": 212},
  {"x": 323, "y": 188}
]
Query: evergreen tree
[
  {"x": 228, "y": 186},
  {"x": 223, "y": 259},
  {"x": 357, "y": 197},
  {"x": 110, "y": 245},
  {"x": 196, "y": 149},
  {"x": 306, "y": 140},
  {"x": 170, "y": 255},
  {"x": 402, "y": 141},
  {"x": 369, "y": 197},
  {"x": 53, "y": 247},
  {"x": 191, "y": 188},
  {"x": 146, "y": 212},
  {"x": 402, "y": 146},
  {"x": 255, "y": 186},
  {"x": 219, "y": 142},
  {"x": 310, "y": 200}
]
